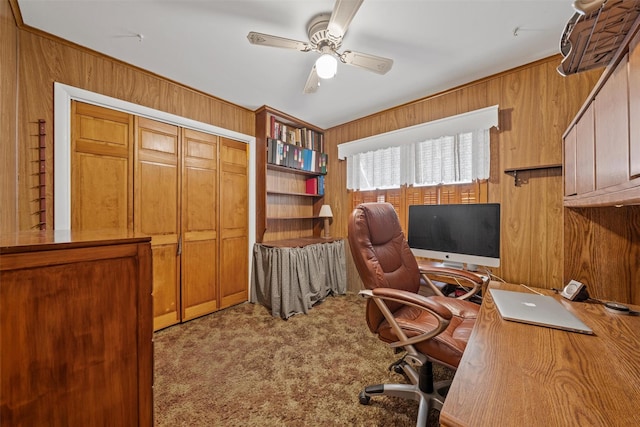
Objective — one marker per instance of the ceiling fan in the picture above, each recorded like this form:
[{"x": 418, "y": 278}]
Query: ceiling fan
[{"x": 325, "y": 33}]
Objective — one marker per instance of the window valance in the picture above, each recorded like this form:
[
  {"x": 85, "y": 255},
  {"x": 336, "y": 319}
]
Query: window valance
[{"x": 484, "y": 118}]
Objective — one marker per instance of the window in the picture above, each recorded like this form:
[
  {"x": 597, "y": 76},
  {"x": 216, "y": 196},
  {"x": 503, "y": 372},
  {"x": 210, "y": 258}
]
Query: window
[
  {"x": 461, "y": 158},
  {"x": 446, "y": 151}
]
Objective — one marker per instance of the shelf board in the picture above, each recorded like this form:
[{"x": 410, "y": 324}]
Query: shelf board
[
  {"x": 514, "y": 171},
  {"x": 293, "y": 193},
  {"x": 271, "y": 166},
  {"x": 532, "y": 168}
]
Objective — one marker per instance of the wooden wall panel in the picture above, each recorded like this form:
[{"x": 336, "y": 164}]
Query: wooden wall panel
[
  {"x": 8, "y": 135},
  {"x": 536, "y": 106},
  {"x": 602, "y": 248},
  {"x": 44, "y": 60}
]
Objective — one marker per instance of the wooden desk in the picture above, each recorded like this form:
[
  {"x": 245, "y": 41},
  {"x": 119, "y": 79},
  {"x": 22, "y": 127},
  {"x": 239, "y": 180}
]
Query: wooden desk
[{"x": 515, "y": 374}]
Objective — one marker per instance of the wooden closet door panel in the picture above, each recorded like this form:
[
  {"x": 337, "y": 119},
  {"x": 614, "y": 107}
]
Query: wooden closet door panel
[
  {"x": 157, "y": 211},
  {"x": 101, "y": 168},
  {"x": 234, "y": 222},
  {"x": 199, "y": 224}
]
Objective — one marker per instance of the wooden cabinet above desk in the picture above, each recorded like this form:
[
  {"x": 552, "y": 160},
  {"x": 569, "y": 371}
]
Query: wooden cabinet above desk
[{"x": 602, "y": 145}]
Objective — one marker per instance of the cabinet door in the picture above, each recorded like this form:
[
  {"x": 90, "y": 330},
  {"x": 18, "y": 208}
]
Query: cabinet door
[
  {"x": 585, "y": 143},
  {"x": 157, "y": 181},
  {"x": 234, "y": 223},
  {"x": 101, "y": 168},
  {"x": 634, "y": 107},
  {"x": 612, "y": 129},
  {"x": 199, "y": 224},
  {"x": 570, "y": 162}
]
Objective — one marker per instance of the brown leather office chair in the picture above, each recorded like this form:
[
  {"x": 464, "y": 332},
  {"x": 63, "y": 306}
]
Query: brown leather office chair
[
  {"x": 471, "y": 283},
  {"x": 429, "y": 329}
]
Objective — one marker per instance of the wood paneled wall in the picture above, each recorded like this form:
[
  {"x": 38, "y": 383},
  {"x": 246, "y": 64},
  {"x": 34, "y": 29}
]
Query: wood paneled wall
[
  {"x": 8, "y": 136},
  {"x": 602, "y": 246},
  {"x": 43, "y": 60},
  {"x": 536, "y": 106}
]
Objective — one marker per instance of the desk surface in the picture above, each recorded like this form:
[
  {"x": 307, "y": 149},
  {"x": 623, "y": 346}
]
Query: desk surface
[{"x": 517, "y": 374}]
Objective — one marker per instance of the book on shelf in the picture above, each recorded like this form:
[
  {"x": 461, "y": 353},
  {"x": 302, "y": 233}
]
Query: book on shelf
[
  {"x": 315, "y": 185},
  {"x": 298, "y": 136},
  {"x": 312, "y": 185},
  {"x": 293, "y": 156}
]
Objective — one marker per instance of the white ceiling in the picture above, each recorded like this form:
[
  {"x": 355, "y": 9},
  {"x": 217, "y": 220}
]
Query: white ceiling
[{"x": 435, "y": 45}]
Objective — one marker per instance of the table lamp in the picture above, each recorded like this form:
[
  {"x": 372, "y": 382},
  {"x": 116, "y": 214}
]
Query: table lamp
[{"x": 325, "y": 212}]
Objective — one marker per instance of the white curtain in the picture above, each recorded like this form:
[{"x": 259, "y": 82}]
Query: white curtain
[{"x": 445, "y": 160}]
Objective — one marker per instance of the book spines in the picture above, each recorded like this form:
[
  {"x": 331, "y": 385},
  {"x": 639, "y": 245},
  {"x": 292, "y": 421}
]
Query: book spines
[
  {"x": 315, "y": 185},
  {"x": 300, "y": 137},
  {"x": 293, "y": 156}
]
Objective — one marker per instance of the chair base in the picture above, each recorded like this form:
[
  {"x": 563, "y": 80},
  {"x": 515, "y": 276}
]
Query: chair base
[{"x": 427, "y": 393}]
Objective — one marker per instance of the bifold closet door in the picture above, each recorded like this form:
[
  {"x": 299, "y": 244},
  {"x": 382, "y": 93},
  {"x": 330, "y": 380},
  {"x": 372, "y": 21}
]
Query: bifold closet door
[
  {"x": 101, "y": 168},
  {"x": 234, "y": 222},
  {"x": 199, "y": 256},
  {"x": 157, "y": 211}
]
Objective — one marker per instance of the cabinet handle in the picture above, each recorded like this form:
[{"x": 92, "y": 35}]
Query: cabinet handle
[{"x": 179, "y": 252}]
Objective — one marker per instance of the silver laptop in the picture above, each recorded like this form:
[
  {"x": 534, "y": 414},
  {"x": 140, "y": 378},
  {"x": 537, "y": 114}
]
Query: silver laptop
[{"x": 534, "y": 309}]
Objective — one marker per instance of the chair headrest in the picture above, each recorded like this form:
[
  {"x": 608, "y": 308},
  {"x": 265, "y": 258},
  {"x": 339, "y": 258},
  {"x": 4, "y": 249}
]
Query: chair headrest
[{"x": 382, "y": 220}]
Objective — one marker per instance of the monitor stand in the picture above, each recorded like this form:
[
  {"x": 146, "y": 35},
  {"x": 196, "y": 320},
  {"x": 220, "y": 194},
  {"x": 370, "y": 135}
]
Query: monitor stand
[{"x": 453, "y": 264}]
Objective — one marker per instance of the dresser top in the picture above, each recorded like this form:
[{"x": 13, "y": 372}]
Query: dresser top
[{"x": 30, "y": 241}]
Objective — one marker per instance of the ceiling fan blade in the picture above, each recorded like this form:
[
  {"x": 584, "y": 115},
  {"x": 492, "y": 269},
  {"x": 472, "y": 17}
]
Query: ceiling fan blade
[
  {"x": 275, "y": 41},
  {"x": 377, "y": 64},
  {"x": 343, "y": 13},
  {"x": 313, "y": 82}
]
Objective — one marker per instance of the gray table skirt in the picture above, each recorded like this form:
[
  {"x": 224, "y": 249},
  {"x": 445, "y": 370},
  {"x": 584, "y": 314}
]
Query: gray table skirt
[{"x": 291, "y": 280}]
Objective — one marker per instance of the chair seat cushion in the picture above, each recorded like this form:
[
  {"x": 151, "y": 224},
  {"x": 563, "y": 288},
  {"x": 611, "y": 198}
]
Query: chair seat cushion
[{"x": 446, "y": 348}]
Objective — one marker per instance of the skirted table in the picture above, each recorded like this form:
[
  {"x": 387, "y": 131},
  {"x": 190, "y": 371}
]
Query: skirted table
[{"x": 290, "y": 276}]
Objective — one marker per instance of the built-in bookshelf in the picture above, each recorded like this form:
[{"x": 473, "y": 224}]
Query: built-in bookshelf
[{"x": 290, "y": 173}]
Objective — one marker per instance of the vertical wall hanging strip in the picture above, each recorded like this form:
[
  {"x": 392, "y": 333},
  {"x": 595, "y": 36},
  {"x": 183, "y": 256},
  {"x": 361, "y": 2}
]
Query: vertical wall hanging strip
[{"x": 42, "y": 193}]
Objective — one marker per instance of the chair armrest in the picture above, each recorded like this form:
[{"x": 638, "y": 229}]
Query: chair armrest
[
  {"x": 451, "y": 272},
  {"x": 441, "y": 313},
  {"x": 476, "y": 280}
]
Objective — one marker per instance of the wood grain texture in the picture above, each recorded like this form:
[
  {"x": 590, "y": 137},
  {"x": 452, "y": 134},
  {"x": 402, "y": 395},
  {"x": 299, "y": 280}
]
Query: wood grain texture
[
  {"x": 634, "y": 106},
  {"x": 602, "y": 249},
  {"x": 234, "y": 222},
  {"x": 612, "y": 129},
  {"x": 76, "y": 350},
  {"x": 157, "y": 184},
  {"x": 8, "y": 116},
  {"x": 284, "y": 210},
  {"x": 199, "y": 224},
  {"x": 536, "y": 105},
  {"x": 512, "y": 373},
  {"x": 44, "y": 60},
  {"x": 101, "y": 168}
]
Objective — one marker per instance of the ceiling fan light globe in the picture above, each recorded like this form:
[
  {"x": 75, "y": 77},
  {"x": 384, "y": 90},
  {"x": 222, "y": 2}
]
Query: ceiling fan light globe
[{"x": 326, "y": 66}]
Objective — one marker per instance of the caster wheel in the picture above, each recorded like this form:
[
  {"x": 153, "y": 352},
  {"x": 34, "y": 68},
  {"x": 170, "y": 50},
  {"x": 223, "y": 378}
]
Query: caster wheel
[
  {"x": 364, "y": 399},
  {"x": 397, "y": 369}
]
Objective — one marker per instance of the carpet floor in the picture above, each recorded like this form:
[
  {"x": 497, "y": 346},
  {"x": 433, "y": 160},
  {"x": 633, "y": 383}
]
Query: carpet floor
[{"x": 242, "y": 367}]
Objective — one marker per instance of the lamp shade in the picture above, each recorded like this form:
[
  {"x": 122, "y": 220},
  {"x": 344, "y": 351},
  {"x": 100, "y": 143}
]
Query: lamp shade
[
  {"x": 326, "y": 66},
  {"x": 325, "y": 212}
]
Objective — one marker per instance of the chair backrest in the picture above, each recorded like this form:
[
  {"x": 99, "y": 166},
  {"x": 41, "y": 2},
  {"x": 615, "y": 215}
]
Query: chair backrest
[{"x": 381, "y": 253}]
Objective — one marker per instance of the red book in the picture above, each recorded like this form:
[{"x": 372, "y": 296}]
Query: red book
[{"x": 312, "y": 186}]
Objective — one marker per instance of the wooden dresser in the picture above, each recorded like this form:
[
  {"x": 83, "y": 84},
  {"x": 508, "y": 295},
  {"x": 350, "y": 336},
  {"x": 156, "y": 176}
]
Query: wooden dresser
[{"x": 76, "y": 329}]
